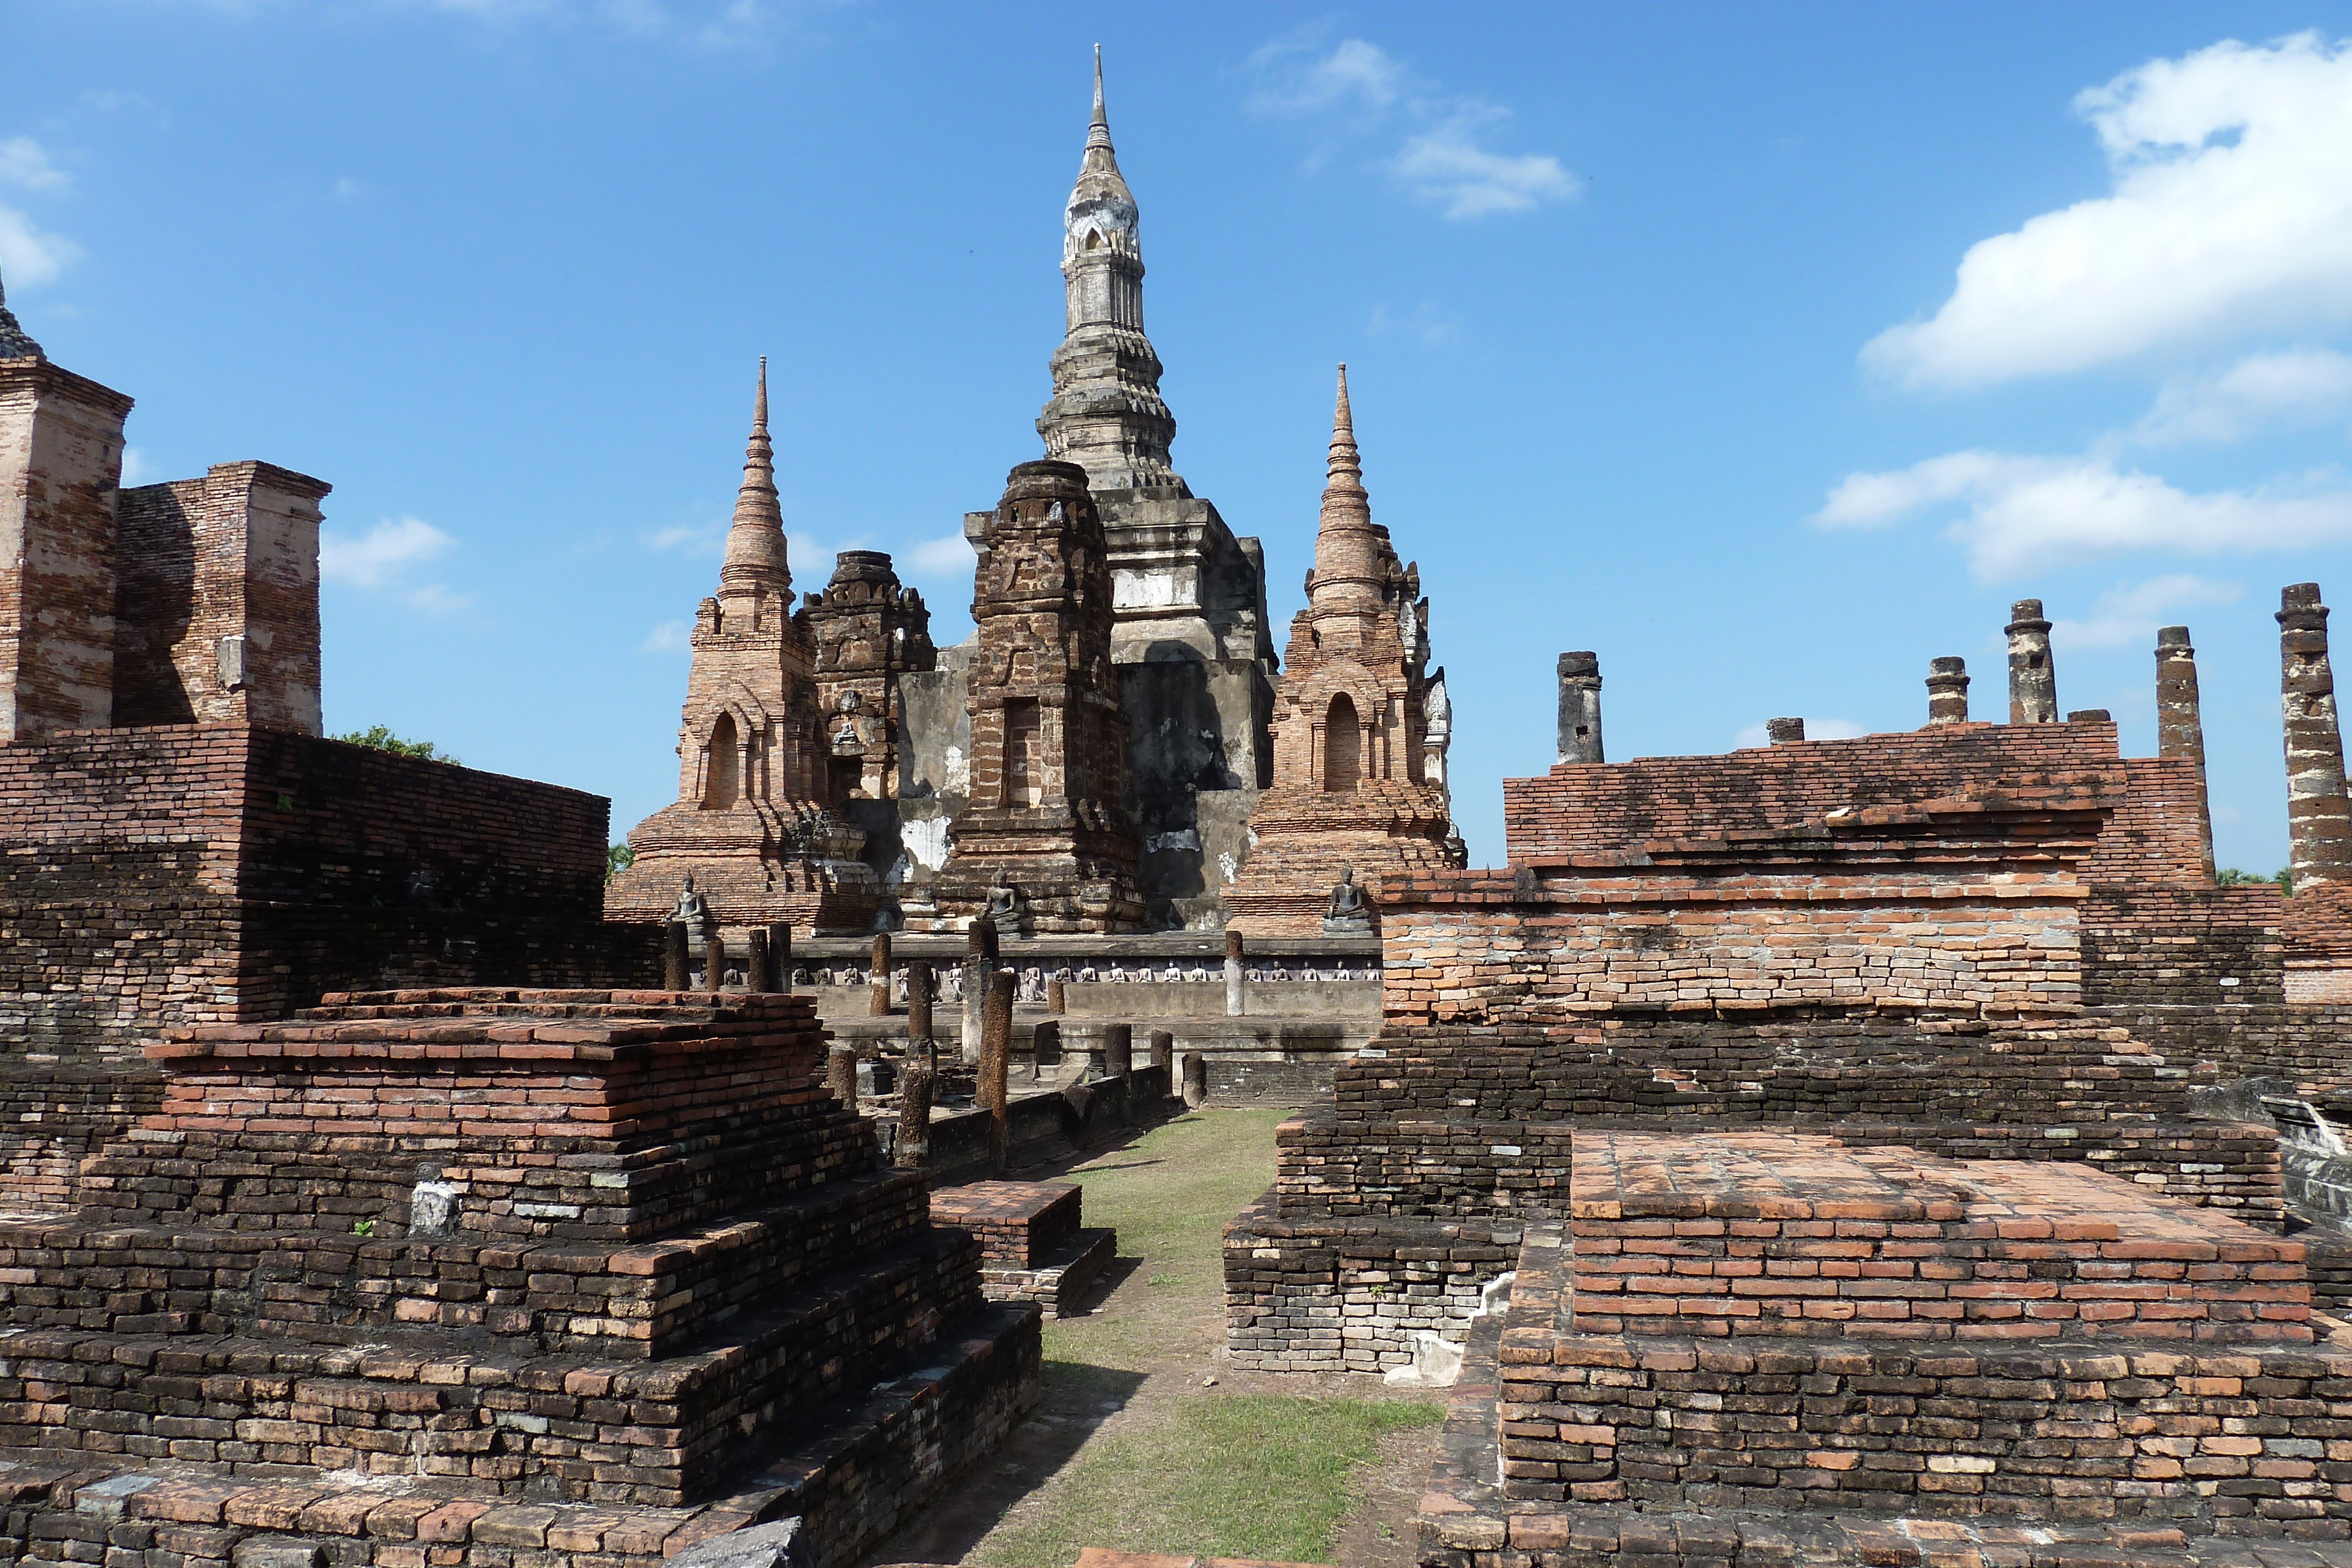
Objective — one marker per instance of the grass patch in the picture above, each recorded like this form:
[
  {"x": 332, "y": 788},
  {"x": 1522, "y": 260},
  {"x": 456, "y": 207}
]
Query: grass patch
[
  {"x": 1171, "y": 1193},
  {"x": 1260, "y": 1476}
]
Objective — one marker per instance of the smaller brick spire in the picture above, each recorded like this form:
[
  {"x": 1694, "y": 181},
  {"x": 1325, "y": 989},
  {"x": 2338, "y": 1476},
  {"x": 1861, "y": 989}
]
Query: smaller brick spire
[
  {"x": 15, "y": 344},
  {"x": 1347, "y": 575},
  {"x": 756, "y": 556}
]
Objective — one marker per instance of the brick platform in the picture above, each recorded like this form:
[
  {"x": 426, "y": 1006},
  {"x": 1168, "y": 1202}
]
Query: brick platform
[
  {"x": 1032, "y": 1245},
  {"x": 1756, "y": 1233},
  {"x": 596, "y": 1247}
]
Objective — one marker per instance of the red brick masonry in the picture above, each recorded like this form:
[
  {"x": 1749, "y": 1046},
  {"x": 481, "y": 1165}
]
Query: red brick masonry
[{"x": 1763, "y": 1233}]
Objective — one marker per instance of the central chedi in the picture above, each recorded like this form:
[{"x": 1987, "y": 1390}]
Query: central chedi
[{"x": 750, "y": 826}]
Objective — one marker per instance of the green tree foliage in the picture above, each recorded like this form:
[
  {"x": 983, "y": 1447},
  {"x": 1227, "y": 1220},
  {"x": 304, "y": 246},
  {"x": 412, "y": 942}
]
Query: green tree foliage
[
  {"x": 2231, "y": 876},
  {"x": 382, "y": 739},
  {"x": 618, "y": 859}
]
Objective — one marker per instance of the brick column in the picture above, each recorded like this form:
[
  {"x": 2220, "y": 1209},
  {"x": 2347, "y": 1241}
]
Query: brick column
[
  {"x": 677, "y": 957},
  {"x": 1579, "y": 708},
  {"x": 995, "y": 1046},
  {"x": 1235, "y": 1001},
  {"x": 1784, "y": 731},
  {"x": 919, "y": 1005},
  {"x": 2319, "y": 824},
  {"x": 755, "y": 960},
  {"x": 1119, "y": 1050},
  {"x": 880, "y": 974},
  {"x": 913, "y": 1149},
  {"x": 1947, "y": 691},
  {"x": 2032, "y": 679},
  {"x": 841, "y": 1073},
  {"x": 2180, "y": 727}
]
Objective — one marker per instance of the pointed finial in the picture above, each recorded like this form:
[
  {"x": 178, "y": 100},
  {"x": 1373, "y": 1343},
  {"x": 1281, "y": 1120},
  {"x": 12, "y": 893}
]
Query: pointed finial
[
  {"x": 1098, "y": 133},
  {"x": 760, "y": 404},
  {"x": 1346, "y": 465}
]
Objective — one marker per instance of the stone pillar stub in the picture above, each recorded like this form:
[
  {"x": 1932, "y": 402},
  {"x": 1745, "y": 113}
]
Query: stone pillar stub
[
  {"x": 1948, "y": 690},
  {"x": 1784, "y": 731},
  {"x": 2033, "y": 678},
  {"x": 2318, "y": 823},
  {"x": 1579, "y": 708}
]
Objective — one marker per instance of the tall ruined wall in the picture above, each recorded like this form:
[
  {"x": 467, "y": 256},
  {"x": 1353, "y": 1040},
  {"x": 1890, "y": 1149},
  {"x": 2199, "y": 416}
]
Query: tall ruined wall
[
  {"x": 60, "y": 461},
  {"x": 201, "y": 874},
  {"x": 218, "y": 600}
]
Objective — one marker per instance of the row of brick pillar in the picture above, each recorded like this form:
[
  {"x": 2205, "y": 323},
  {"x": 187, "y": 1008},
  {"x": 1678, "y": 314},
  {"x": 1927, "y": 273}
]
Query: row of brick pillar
[{"x": 2319, "y": 817}]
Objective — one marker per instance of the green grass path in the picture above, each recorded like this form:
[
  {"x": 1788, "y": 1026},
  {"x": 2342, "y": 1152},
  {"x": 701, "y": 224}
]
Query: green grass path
[{"x": 1182, "y": 1467}]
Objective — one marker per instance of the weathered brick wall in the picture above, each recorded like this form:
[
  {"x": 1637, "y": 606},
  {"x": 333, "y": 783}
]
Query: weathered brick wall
[
  {"x": 217, "y": 599},
  {"x": 160, "y": 877},
  {"x": 1775, "y": 1235},
  {"x": 1478, "y": 947},
  {"x": 2148, "y": 945},
  {"x": 2157, "y": 833},
  {"x": 1307, "y": 1293},
  {"x": 1421, "y": 1169},
  {"x": 2203, "y": 1436},
  {"x": 209, "y": 873},
  {"x": 60, "y": 460},
  {"x": 1773, "y": 1065},
  {"x": 1577, "y": 810}
]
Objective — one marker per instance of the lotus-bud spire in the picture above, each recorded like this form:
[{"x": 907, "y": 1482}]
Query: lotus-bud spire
[{"x": 755, "y": 543}]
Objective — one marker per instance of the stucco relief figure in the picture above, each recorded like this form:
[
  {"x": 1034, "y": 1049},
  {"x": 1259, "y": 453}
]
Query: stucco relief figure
[{"x": 1347, "y": 912}]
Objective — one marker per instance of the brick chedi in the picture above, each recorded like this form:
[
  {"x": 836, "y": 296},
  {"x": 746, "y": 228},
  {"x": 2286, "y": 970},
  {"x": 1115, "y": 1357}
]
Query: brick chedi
[
  {"x": 566, "y": 1262},
  {"x": 753, "y": 824},
  {"x": 1047, "y": 814},
  {"x": 1351, "y": 790},
  {"x": 870, "y": 629}
]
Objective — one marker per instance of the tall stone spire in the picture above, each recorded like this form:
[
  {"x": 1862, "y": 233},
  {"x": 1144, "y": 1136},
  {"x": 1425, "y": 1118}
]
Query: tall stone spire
[
  {"x": 756, "y": 558},
  {"x": 1349, "y": 551},
  {"x": 15, "y": 344},
  {"x": 1106, "y": 415}
]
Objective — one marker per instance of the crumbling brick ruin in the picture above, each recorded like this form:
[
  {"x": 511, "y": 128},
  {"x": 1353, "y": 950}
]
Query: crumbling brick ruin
[
  {"x": 1047, "y": 821},
  {"x": 1354, "y": 790},
  {"x": 579, "y": 1261},
  {"x": 1781, "y": 1080},
  {"x": 184, "y": 847}
]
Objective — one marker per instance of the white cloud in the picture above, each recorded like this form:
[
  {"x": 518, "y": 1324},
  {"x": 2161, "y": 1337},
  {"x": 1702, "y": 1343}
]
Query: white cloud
[
  {"x": 2297, "y": 386},
  {"x": 941, "y": 558},
  {"x": 2231, "y": 211},
  {"x": 669, "y": 637},
  {"x": 24, "y": 161},
  {"x": 1294, "y": 80},
  {"x": 2128, "y": 614},
  {"x": 27, "y": 254},
  {"x": 1446, "y": 164},
  {"x": 2023, "y": 512},
  {"x": 1444, "y": 160},
  {"x": 1815, "y": 729},
  {"x": 383, "y": 559},
  {"x": 699, "y": 539}
]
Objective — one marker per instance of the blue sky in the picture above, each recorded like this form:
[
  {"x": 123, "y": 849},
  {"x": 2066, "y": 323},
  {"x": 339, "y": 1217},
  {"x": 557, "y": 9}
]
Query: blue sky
[{"x": 1769, "y": 351}]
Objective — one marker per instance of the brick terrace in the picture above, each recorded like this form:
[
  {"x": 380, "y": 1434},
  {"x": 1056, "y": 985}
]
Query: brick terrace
[{"x": 1774, "y": 1234}]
